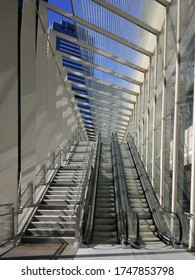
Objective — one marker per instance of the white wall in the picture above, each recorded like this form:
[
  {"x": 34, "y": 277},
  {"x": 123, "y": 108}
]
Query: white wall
[{"x": 9, "y": 102}]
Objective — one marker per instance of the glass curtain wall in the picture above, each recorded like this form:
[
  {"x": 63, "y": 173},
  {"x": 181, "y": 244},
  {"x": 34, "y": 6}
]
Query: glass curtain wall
[
  {"x": 158, "y": 113},
  {"x": 186, "y": 113},
  {"x": 153, "y": 96},
  {"x": 170, "y": 102}
]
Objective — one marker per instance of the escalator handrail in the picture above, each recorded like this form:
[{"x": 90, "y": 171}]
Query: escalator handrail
[
  {"x": 131, "y": 215},
  {"x": 164, "y": 234},
  {"x": 129, "y": 233},
  {"x": 179, "y": 241},
  {"x": 89, "y": 208},
  {"x": 119, "y": 212}
]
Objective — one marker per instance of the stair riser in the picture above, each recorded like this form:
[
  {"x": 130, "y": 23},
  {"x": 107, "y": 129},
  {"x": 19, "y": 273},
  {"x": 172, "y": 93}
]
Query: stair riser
[
  {"x": 57, "y": 204},
  {"x": 50, "y": 232},
  {"x": 57, "y": 219},
  {"x": 59, "y": 226},
  {"x": 62, "y": 197},
  {"x": 52, "y": 212}
]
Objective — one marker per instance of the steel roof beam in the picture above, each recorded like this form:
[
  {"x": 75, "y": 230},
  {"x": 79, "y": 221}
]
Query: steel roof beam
[
  {"x": 98, "y": 81},
  {"x": 108, "y": 94},
  {"x": 112, "y": 113},
  {"x": 163, "y": 2},
  {"x": 127, "y": 16},
  {"x": 99, "y": 30},
  {"x": 107, "y": 125},
  {"x": 111, "y": 126},
  {"x": 102, "y": 69},
  {"x": 108, "y": 112},
  {"x": 104, "y": 112},
  {"x": 105, "y": 131},
  {"x": 86, "y": 63},
  {"x": 100, "y": 52},
  {"x": 105, "y": 119},
  {"x": 118, "y": 106}
]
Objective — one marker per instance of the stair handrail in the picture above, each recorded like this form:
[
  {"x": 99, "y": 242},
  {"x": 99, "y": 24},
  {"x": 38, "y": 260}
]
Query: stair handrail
[
  {"x": 84, "y": 177},
  {"x": 157, "y": 211},
  {"x": 72, "y": 142},
  {"x": 54, "y": 165},
  {"x": 128, "y": 219},
  {"x": 78, "y": 207},
  {"x": 42, "y": 182},
  {"x": 89, "y": 207}
]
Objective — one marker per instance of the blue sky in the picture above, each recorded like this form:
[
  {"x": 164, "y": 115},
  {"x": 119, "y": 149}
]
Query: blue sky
[{"x": 62, "y": 4}]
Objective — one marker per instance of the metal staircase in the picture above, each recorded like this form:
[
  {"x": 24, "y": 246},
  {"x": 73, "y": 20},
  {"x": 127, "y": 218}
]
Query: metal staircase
[
  {"x": 55, "y": 216},
  {"x": 138, "y": 200},
  {"x": 105, "y": 228}
]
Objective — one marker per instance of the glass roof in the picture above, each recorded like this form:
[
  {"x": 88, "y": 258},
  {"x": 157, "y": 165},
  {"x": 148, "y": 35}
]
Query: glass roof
[{"x": 108, "y": 56}]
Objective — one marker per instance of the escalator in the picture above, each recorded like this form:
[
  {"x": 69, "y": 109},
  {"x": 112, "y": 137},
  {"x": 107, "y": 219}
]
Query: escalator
[
  {"x": 137, "y": 199},
  {"x": 157, "y": 226},
  {"x": 105, "y": 228},
  {"x": 121, "y": 206},
  {"x": 108, "y": 219}
]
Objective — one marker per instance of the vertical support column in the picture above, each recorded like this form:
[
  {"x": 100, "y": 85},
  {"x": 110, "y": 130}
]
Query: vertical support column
[
  {"x": 132, "y": 125},
  {"x": 148, "y": 117},
  {"x": 162, "y": 153},
  {"x": 134, "y": 122},
  {"x": 154, "y": 117},
  {"x": 142, "y": 119},
  {"x": 176, "y": 112},
  {"x": 137, "y": 124},
  {"x": 192, "y": 194}
]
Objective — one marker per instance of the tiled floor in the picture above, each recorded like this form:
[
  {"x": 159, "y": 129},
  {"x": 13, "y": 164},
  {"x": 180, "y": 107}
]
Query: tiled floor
[
  {"x": 49, "y": 251},
  {"x": 115, "y": 252}
]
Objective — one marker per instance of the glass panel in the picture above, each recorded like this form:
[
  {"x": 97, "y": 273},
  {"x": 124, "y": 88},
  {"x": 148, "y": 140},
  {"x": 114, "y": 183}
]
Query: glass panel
[
  {"x": 112, "y": 65},
  {"x": 158, "y": 115},
  {"x": 151, "y": 104},
  {"x": 143, "y": 10},
  {"x": 186, "y": 115},
  {"x": 144, "y": 109},
  {"x": 111, "y": 46},
  {"x": 170, "y": 103},
  {"x": 113, "y": 23},
  {"x": 150, "y": 140},
  {"x": 114, "y": 80},
  {"x": 158, "y": 140},
  {"x": 110, "y": 90},
  {"x": 141, "y": 121}
]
